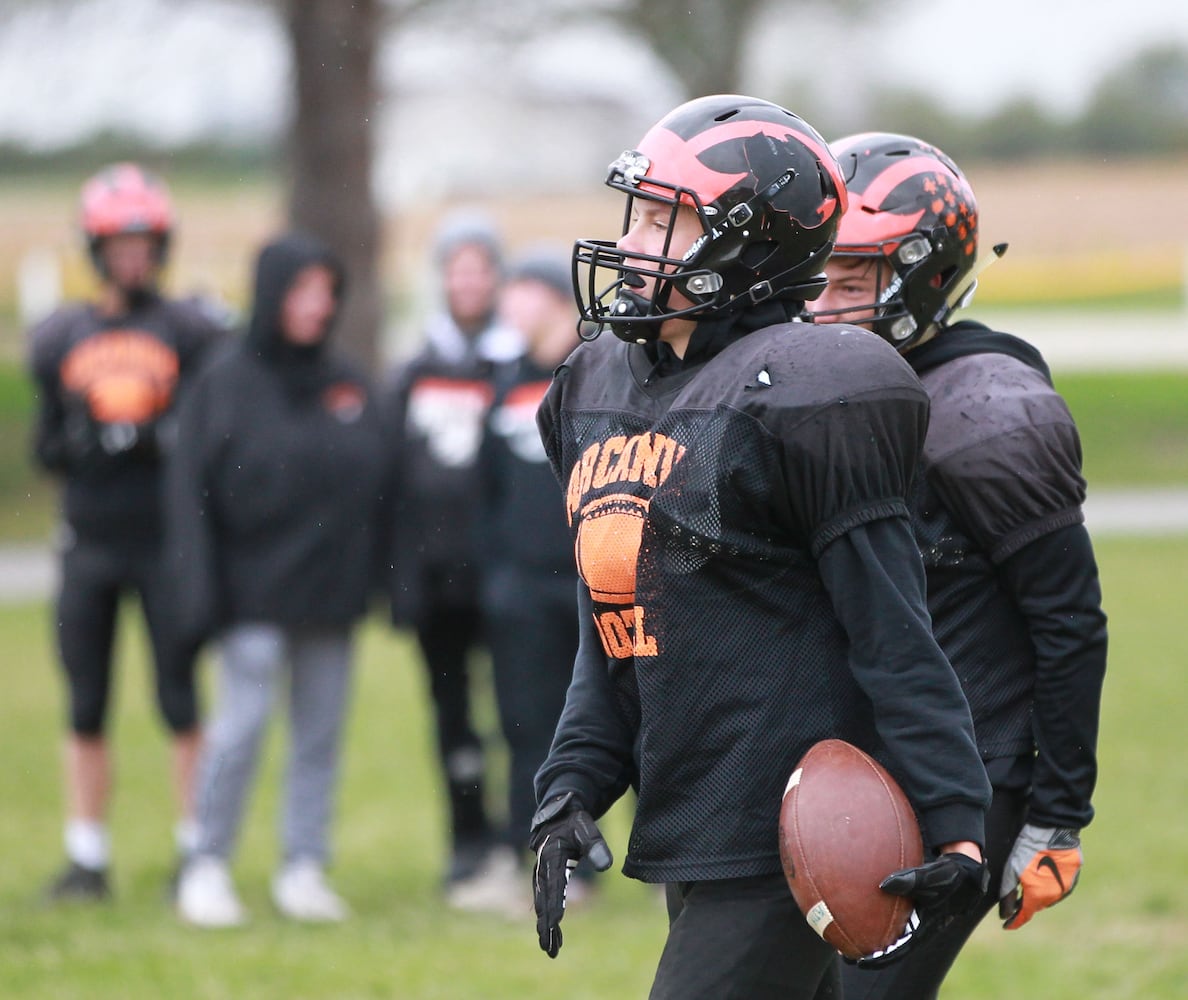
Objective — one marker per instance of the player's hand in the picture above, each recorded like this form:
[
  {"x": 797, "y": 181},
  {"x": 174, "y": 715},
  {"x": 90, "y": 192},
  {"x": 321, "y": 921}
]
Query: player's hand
[
  {"x": 562, "y": 834},
  {"x": 944, "y": 888},
  {"x": 1042, "y": 869}
]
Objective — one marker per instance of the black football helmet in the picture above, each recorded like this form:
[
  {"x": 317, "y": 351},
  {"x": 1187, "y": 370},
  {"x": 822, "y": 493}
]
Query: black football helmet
[
  {"x": 768, "y": 194},
  {"x": 912, "y": 211}
]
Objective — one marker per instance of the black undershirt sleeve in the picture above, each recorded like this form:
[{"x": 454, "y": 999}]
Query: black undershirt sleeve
[
  {"x": 876, "y": 582},
  {"x": 593, "y": 748},
  {"x": 1054, "y": 582}
]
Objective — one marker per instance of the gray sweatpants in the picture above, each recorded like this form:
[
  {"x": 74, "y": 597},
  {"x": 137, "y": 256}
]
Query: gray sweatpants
[{"x": 254, "y": 658}]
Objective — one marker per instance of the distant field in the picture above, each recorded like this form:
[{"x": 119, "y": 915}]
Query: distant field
[
  {"x": 1072, "y": 230},
  {"x": 1104, "y": 232},
  {"x": 1121, "y": 934}
]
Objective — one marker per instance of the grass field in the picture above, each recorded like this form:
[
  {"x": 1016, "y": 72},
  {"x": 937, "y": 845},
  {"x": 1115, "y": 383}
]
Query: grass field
[{"x": 1121, "y": 935}]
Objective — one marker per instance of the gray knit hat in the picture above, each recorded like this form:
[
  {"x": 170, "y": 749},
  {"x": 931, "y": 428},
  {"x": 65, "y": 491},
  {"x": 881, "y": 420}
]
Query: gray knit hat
[{"x": 549, "y": 265}]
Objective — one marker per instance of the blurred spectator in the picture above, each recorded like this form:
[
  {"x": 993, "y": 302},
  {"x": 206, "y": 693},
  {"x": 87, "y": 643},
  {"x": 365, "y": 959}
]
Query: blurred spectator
[
  {"x": 274, "y": 499},
  {"x": 529, "y": 586},
  {"x": 108, "y": 373},
  {"x": 438, "y": 403}
]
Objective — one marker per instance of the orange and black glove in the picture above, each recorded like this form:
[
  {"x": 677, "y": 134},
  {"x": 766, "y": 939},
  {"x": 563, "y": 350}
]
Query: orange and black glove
[{"x": 1042, "y": 869}]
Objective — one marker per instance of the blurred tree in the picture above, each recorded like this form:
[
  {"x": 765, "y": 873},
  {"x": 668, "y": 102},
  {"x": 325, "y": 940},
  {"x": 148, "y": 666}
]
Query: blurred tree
[
  {"x": 1140, "y": 107},
  {"x": 331, "y": 148}
]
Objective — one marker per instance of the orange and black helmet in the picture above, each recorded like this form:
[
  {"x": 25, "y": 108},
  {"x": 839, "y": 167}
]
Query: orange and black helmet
[
  {"x": 911, "y": 210},
  {"x": 125, "y": 198},
  {"x": 769, "y": 196}
]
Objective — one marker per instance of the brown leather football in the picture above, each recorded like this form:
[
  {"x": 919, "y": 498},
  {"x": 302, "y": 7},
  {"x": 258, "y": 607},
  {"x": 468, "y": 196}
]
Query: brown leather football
[{"x": 845, "y": 825}]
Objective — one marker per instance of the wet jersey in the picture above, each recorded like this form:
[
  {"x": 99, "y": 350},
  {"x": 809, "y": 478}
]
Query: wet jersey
[
  {"x": 107, "y": 387},
  {"x": 753, "y": 587},
  {"x": 1000, "y": 487}
]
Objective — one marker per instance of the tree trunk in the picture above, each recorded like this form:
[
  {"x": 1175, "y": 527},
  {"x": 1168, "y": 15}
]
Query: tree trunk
[{"x": 333, "y": 43}]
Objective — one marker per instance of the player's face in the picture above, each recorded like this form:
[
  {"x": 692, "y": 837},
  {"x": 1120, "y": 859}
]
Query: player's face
[
  {"x": 655, "y": 232},
  {"x": 130, "y": 260},
  {"x": 471, "y": 281},
  {"x": 854, "y": 284},
  {"x": 309, "y": 305}
]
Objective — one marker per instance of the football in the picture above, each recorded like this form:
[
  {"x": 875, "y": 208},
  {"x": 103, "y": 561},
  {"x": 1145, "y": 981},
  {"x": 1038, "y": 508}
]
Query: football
[{"x": 845, "y": 825}]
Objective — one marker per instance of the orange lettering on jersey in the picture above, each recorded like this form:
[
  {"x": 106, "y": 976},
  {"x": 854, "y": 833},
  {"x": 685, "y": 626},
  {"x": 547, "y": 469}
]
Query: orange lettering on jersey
[
  {"x": 645, "y": 645},
  {"x": 126, "y": 376},
  {"x": 623, "y": 633},
  {"x": 611, "y": 448},
  {"x": 645, "y": 458}
]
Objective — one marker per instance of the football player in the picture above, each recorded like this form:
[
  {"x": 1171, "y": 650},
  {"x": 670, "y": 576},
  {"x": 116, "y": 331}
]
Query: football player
[
  {"x": 736, "y": 487},
  {"x": 1012, "y": 582},
  {"x": 107, "y": 375}
]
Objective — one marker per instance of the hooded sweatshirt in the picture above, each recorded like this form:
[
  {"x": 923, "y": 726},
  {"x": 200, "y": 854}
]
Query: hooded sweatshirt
[{"x": 276, "y": 489}]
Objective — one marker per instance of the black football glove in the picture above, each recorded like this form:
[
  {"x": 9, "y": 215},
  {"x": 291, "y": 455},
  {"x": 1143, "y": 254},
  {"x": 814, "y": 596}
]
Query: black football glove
[
  {"x": 562, "y": 834},
  {"x": 944, "y": 888}
]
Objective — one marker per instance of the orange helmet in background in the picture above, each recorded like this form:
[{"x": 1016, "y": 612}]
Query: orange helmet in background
[{"x": 125, "y": 198}]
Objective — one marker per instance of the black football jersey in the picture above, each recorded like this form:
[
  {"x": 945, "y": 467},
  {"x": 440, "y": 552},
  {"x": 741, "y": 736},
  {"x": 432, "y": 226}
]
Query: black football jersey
[
  {"x": 1001, "y": 472},
  {"x": 714, "y": 514}
]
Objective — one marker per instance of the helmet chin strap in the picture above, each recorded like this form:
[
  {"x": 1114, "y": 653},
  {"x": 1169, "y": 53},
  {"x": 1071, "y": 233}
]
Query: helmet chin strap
[{"x": 631, "y": 305}]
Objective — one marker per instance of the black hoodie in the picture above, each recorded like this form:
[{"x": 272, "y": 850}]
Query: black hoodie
[{"x": 275, "y": 491}]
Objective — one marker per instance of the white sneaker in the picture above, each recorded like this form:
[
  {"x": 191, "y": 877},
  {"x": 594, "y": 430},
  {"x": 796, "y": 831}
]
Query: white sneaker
[
  {"x": 301, "y": 892},
  {"x": 500, "y": 886},
  {"x": 206, "y": 895}
]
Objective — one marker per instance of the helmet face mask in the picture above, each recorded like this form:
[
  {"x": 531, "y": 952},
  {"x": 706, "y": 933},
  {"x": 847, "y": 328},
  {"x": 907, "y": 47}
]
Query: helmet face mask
[
  {"x": 913, "y": 213},
  {"x": 765, "y": 193}
]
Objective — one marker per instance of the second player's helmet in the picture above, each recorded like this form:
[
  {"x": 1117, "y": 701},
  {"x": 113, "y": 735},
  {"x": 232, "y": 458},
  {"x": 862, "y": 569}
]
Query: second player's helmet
[
  {"x": 912, "y": 211},
  {"x": 125, "y": 198},
  {"x": 767, "y": 192}
]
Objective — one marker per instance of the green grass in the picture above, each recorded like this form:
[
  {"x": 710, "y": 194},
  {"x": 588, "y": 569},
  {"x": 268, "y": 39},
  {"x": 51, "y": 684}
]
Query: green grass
[
  {"x": 1121, "y": 934},
  {"x": 1132, "y": 426}
]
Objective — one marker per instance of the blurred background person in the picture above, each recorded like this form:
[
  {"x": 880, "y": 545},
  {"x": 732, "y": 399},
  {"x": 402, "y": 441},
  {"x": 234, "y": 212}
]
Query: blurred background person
[
  {"x": 529, "y": 583},
  {"x": 108, "y": 373},
  {"x": 274, "y": 504},
  {"x": 437, "y": 405},
  {"x": 1013, "y": 587}
]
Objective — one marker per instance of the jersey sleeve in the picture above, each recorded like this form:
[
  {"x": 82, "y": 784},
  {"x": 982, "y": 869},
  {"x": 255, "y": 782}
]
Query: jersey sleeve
[
  {"x": 547, "y": 421},
  {"x": 851, "y": 461},
  {"x": 1018, "y": 479},
  {"x": 46, "y": 346}
]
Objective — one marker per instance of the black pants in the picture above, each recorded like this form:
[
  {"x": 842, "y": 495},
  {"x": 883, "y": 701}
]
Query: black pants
[
  {"x": 448, "y": 635},
  {"x": 739, "y": 939},
  {"x": 532, "y": 656},
  {"x": 94, "y": 577},
  {"x": 918, "y": 976}
]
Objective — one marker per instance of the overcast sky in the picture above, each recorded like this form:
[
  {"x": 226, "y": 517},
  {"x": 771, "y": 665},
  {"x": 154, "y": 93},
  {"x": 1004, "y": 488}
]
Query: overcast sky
[{"x": 178, "y": 71}]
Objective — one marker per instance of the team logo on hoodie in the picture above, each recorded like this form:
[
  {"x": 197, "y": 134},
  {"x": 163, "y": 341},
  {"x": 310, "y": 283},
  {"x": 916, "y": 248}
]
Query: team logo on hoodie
[{"x": 344, "y": 401}]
